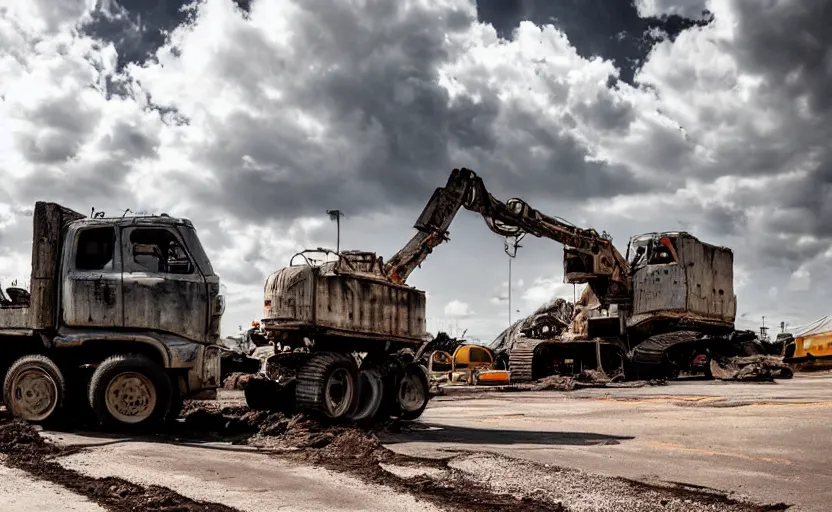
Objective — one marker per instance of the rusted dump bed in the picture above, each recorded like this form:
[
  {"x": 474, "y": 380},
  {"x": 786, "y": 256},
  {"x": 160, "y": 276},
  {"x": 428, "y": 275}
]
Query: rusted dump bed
[{"x": 349, "y": 297}]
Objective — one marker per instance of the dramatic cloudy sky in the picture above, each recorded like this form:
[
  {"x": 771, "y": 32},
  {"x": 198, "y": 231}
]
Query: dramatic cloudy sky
[{"x": 254, "y": 117}]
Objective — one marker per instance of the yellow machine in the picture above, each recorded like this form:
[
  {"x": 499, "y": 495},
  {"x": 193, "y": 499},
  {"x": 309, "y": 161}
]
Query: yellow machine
[
  {"x": 469, "y": 364},
  {"x": 811, "y": 348}
]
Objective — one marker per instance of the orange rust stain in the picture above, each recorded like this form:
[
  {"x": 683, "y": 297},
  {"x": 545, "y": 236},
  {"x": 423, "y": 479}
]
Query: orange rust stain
[{"x": 722, "y": 453}]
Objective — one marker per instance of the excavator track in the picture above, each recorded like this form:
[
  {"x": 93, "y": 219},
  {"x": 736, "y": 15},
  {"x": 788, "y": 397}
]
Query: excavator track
[
  {"x": 521, "y": 359},
  {"x": 652, "y": 350}
]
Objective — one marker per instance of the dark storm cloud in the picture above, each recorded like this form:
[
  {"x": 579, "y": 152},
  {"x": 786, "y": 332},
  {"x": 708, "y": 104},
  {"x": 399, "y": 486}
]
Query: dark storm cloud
[
  {"x": 558, "y": 168},
  {"x": 94, "y": 181},
  {"x": 789, "y": 45},
  {"x": 390, "y": 126},
  {"x": 137, "y": 28},
  {"x": 605, "y": 114},
  {"x": 789, "y": 42},
  {"x": 609, "y": 28},
  {"x": 63, "y": 127}
]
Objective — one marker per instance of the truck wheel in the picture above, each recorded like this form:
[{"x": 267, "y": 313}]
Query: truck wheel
[
  {"x": 370, "y": 394},
  {"x": 327, "y": 384},
  {"x": 34, "y": 389},
  {"x": 130, "y": 391},
  {"x": 412, "y": 392}
]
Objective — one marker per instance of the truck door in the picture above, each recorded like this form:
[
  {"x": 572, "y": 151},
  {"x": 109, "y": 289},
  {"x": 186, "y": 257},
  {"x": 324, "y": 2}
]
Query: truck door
[
  {"x": 91, "y": 295},
  {"x": 162, "y": 286}
]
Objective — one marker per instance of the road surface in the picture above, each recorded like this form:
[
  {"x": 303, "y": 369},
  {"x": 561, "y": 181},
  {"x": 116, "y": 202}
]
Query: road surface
[
  {"x": 767, "y": 443},
  {"x": 770, "y": 442}
]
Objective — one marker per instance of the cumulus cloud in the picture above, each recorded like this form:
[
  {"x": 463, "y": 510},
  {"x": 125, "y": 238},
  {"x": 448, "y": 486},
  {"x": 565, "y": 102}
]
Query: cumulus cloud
[
  {"x": 545, "y": 289},
  {"x": 253, "y": 118},
  {"x": 458, "y": 309}
]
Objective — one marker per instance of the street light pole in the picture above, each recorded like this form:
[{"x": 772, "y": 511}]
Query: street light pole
[
  {"x": 336, "y": 216},
  {"x": 511, "y": 244},
  {"x": 509, "y": 290}
]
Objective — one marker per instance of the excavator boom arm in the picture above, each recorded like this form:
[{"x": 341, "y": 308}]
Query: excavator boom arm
[{"x": 510, "y": 219}]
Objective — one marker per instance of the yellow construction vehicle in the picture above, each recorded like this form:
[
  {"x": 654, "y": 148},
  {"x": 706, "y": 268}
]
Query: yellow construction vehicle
[
  {"x": 469, "y": 364},
  {"x": 810, "y": 349}
]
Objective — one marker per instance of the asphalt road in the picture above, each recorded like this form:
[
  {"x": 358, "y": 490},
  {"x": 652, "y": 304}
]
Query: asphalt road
[{"x": 768, "y": 442}]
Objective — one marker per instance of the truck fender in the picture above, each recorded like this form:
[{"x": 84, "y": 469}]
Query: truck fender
[{"x": 78, "y": 340}]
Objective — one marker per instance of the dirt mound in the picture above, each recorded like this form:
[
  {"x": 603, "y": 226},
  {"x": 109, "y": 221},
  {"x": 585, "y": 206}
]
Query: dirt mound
[
  {"x": 276, "y": 430},
  {"x": 20, "y": 442}
]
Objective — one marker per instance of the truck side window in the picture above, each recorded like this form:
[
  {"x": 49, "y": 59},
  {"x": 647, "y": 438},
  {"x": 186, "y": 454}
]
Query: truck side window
[
  {"x": 158, "y": 251},
  {"x": 95, "y": 249}
]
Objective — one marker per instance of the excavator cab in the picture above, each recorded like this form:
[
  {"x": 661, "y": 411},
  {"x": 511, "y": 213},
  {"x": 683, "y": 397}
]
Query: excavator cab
[{"x": 677, "y": 277}]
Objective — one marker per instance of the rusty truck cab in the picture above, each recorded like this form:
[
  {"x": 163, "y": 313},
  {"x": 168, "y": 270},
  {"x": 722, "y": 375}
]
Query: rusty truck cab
[{"x": 143, "y": 279}]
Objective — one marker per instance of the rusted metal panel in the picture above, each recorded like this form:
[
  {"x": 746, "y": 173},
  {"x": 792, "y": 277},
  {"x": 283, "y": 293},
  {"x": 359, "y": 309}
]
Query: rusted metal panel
[
  {"x": 14, "y": 318},
  {"x": 289, "y": 293},
  {"x": 710, "y": 278},
  {"x": 48, "y": 221},
  {"x": 659, "y": 288},
  {"x": 698, "y": 287},
  {"x": 175, "y": 303},
  {"x": 345, "y": 300}
]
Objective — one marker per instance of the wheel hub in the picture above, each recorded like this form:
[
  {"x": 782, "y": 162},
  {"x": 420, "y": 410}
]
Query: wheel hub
[
  {"x": 338, "y": 393},
  {"x": 35, "y": 395},
  {"x": 131, "y": 397},
  {"x": 411, "y": 393}
]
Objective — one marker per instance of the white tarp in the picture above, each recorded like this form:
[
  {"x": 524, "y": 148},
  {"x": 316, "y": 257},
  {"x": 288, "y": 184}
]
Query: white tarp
[{"x": 822, "y": 324}]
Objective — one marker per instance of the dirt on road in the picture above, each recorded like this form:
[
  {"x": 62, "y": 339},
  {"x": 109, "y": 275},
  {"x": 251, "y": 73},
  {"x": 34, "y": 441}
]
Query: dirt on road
[
  {"x": 23, "y": 448},
  {"x": 461, "y": 481}
]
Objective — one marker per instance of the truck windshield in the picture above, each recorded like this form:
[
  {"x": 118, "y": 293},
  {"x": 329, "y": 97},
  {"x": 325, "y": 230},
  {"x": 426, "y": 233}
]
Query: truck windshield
[{"x": 195, "y": 247}]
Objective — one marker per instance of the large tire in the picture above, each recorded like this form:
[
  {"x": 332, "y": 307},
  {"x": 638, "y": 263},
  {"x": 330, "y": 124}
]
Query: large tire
[
  {"x": 412, "y": 392},
  {"x": 34, "y": 389},
  {"x": 370, "y": 395},
  {"x": 327, "y": 385},
  {"x": 130, "y": 391}
]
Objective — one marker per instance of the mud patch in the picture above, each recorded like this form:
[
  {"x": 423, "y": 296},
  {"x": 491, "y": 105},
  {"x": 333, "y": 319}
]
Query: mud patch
[
  {"x": 25, "y": 449},
  {"x": 357, "y": 452},
  {"x": 461, "y": 481}
]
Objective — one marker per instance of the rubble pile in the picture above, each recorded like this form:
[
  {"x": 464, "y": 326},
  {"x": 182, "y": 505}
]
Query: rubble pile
[
  {"x": 588, "y": 379},
  {"x": 751, "y": 368},
  {"x": 547, "y": 321},
  {"x": 585, "y": 379},
  {"x": 237, "y": 380}
]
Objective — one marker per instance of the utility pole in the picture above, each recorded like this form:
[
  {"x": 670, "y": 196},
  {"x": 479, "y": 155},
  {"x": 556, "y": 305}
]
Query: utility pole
[
  {"x": 509, "y": 290},
  {"x": 511, "y": 251},
  {"x": 336, "y": 216}
]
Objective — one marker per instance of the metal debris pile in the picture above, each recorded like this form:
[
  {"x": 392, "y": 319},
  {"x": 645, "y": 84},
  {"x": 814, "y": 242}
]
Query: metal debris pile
[{"x": 751, "y": 368}]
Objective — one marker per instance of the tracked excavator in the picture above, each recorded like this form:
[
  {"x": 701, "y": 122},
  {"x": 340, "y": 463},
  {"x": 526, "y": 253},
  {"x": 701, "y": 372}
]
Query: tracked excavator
[
  {"x": 346, "y": 328},
  {"x": 648, "y": 314}
]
